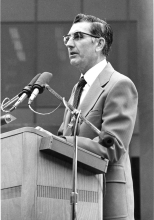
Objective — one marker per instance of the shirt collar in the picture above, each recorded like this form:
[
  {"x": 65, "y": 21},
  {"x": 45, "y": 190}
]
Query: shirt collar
[{"x": 92, "y": 73}]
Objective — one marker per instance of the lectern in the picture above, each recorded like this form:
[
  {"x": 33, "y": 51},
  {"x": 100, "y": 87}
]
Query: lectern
[{"x": 36, "y": 178}]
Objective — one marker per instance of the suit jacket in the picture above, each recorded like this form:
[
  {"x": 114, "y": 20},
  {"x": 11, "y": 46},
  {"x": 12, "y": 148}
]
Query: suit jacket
[{"x": 111, "y": 105}]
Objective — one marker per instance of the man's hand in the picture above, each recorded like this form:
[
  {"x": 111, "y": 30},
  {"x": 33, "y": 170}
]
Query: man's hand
[{"x": 43, "y": 130}]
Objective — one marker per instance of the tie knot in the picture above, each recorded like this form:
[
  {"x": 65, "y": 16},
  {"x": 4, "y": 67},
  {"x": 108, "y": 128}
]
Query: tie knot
[{"x": 82, "y": 82}]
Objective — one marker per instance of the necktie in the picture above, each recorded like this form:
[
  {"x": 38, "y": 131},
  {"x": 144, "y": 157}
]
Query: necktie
[{"x": 78, "y": 91}]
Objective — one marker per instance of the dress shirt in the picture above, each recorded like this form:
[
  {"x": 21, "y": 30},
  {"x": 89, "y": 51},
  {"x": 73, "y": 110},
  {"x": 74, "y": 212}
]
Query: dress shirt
[{"x": 90, "y": 77}]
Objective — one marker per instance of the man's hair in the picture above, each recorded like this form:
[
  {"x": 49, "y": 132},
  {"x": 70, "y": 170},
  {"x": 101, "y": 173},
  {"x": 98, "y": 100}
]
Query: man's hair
[{"x": 99, "y": 28}]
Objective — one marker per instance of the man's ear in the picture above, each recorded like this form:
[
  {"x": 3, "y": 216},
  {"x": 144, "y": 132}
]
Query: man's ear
[{"x": 100, "y": 44}]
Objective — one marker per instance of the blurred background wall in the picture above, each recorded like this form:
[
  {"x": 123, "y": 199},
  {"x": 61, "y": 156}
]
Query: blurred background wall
[{"x": 31, "y": 43}]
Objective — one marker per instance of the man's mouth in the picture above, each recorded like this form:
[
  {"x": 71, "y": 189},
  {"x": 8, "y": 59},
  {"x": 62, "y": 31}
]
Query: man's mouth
[{"x": 72, "y": 53}]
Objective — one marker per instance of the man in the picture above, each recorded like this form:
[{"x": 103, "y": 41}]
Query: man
[{"x": 109, "y": 101}]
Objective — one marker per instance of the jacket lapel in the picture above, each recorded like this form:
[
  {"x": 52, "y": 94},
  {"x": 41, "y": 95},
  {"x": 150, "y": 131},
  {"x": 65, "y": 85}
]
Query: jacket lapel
[{"x": 96, "y": 89}]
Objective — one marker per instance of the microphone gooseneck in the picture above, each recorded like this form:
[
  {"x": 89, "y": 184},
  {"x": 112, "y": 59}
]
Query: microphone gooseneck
[{"x": 107, "y": 141}]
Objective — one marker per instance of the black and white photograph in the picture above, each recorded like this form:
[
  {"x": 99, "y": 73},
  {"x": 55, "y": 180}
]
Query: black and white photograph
[{"x": 77, "y": 107}]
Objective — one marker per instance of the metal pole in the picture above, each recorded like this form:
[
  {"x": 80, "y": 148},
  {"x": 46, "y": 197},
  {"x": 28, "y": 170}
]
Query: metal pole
[{"x": 74, "y": 194}]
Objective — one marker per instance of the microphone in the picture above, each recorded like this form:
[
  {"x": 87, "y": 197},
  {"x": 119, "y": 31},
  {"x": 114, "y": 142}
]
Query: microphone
[
  {"x": 5, "y": 119},
  {"x": 25, "y": 92},
  {"x": 39, "y": 86},
  {"x": 106, "y": 140}
]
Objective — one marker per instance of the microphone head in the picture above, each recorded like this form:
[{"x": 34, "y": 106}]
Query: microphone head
[
  {"x": 106, "y": 140},
  {"x": 42, "y": 80},
  {"x": 28, "y": 89},
  {"x": 34, "y": 79}
]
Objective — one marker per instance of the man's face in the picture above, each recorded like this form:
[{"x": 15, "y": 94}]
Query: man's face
[{"x": 82, "y": 52}]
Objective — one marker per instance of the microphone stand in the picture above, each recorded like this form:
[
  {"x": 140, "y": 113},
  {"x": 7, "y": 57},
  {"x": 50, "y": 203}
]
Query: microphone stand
[{"x": 74, "y": 194}]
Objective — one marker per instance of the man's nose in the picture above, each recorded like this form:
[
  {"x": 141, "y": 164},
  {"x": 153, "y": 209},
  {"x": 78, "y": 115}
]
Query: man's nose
[{"x": 70, "y": 42}]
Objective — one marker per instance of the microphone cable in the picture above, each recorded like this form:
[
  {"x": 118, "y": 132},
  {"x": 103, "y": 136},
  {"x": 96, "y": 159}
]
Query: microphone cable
[{"x": 48, "y": 113}]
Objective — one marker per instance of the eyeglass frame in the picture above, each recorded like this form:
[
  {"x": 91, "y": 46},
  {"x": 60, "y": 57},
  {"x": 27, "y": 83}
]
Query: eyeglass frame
[{"x": 72, "y": 35}]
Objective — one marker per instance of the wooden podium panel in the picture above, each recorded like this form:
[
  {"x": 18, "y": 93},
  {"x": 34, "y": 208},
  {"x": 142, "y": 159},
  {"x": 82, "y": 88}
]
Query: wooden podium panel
[{"x": 36, "y": 178}]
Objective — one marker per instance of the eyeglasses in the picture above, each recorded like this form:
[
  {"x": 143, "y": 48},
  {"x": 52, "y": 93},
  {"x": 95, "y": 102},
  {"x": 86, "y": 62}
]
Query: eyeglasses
[{"x": 76, "y": 36}]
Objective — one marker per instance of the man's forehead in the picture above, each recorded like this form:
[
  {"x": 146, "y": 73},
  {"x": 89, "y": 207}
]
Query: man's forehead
[{"x": 80, "y": 26}]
